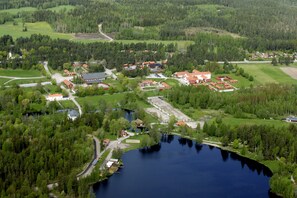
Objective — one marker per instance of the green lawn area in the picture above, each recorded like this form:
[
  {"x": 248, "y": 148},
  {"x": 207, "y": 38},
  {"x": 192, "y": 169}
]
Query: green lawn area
[
  {"x": 15, "y": 11},
  {"x": 16, "y": 31},
  {"x": 3, "y": 80},
  {"x": 242, "y": 82},
  {"x": 266, "y": 73},
  {"x": 68, "y": 104},
  {"x": 25, "y": 81},
  {"x": 240, "y": 121},
  {"x": 172, "y": 82},
  {"x": 19, "y": 73},
  {"x": 62, "y": 7}
]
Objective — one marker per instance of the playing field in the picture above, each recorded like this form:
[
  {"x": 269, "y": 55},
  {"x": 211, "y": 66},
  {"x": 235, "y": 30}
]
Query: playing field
[{"x": 267, "y": 73}]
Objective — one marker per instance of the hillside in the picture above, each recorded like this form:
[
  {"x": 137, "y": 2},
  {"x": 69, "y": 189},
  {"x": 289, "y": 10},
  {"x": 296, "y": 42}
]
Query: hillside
[{"x": 166, "y": 20}]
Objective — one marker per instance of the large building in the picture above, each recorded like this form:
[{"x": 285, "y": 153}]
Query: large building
[
  {"x": 194, "y": 77},
  {"x": 92, "y": 78}
]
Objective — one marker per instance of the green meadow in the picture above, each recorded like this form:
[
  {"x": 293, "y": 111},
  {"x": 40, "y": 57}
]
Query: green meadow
[{"x": 20, "y": 73}]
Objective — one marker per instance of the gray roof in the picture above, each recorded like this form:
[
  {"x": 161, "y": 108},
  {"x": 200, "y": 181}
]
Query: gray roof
[
  {"x": 73, "y": 113},
  {"x": 91, "y": 76}
]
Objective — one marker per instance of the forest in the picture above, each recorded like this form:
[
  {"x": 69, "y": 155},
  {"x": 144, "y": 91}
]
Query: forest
[{"x": 270, "y": 21}]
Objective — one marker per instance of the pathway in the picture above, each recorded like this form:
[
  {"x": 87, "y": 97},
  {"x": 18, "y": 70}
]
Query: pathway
[{"x": 104, "y": 35}]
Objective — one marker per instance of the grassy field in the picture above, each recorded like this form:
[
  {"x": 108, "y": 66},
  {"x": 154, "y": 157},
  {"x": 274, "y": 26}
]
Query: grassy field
[
  {"x": 19, "y": 73},
  {"x": 25, "y": 81},
  {"x": 15, "y": 11},
  {"x": 68, "y": 104},
  {"x": 16, "y": 31},
  {"x": 266, "y": 73},
  {"x": 242, "y": 82},
  {"x": 239, "y": 121}
]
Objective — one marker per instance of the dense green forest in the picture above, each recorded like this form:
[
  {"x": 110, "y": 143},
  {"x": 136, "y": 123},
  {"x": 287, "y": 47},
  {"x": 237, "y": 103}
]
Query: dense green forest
[{"x": 172, "y": 19}]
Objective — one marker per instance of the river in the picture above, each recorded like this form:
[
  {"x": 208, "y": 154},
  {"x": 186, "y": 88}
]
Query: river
[{"x": 178, "y": 167}]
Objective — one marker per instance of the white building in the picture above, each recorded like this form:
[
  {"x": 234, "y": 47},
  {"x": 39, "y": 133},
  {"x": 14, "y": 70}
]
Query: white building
[{"x": 53, "y": 97}]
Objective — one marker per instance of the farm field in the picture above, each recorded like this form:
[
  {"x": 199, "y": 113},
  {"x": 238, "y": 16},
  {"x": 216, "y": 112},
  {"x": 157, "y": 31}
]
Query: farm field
[
  {"x": 266, "y": 73},
  {"x": 19, "y": 73}
]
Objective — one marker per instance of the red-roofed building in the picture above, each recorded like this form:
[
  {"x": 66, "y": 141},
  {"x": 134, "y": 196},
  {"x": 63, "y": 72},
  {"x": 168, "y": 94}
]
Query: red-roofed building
[{"x": 68, "y": 84}]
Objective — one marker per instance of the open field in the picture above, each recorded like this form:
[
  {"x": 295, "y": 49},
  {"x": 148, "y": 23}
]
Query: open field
[
  {"x": 16, "y": 31},
  {"x": 266, "y": 73},
  {"x": 240, "y": 121},
  {"x": 15, "y": 11},
  {"x": 19, "y": 73}
]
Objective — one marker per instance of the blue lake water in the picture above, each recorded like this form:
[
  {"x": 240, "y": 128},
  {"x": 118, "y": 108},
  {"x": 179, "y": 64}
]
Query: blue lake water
[{"x": 180, "y": 168}]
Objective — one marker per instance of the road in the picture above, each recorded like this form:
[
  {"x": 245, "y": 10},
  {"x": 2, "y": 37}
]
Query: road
[
  {"x": 45, "y": 65},
  {"x": 72, "y": 98},
  {"x": 88, "y": 170},
  {"x": 12, "y": 78},
  {"x": 104, "y": 35},
  {"x": 110, "y": 73}
]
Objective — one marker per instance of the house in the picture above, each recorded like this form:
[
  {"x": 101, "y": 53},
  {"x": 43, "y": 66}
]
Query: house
[
  {"x": 68, "y": 73},
  {"x": 91, "y": 78},
  {"x": 123, "y": 133},
  {"x": 54, "y": 97},
  {"x": 104, "y": 86},
  {"x": 139, "y": 123},
  {"x": 147, "y": 83},
  {"x": 68, "y": 84},
  {"x": 180, "y": 123},
  {"x": 193, "y": 78},
  {"x": 164, "y": 85},
  {"x": 106, "y": 142},
  {"x": 73, "y": 114}
]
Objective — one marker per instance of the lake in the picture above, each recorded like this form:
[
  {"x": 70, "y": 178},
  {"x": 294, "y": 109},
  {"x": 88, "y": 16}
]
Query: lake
[{"x": 178, "y": 167}]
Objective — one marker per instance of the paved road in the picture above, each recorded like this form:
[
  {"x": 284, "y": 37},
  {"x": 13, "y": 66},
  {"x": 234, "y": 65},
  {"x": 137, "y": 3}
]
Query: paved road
[
  {"x": 100, "y": 31},
  {"x": 88, "y": 170},
  {"x": 34, "y": 84},
  {"x": 71, "y": 97}
]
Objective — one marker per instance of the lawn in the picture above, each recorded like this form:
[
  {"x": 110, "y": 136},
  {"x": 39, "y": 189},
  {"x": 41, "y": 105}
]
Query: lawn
[
  {"x": 19, "y": 73},
  {"x": 266, "y": 73},
  {"x": 68, "y": 104}
]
